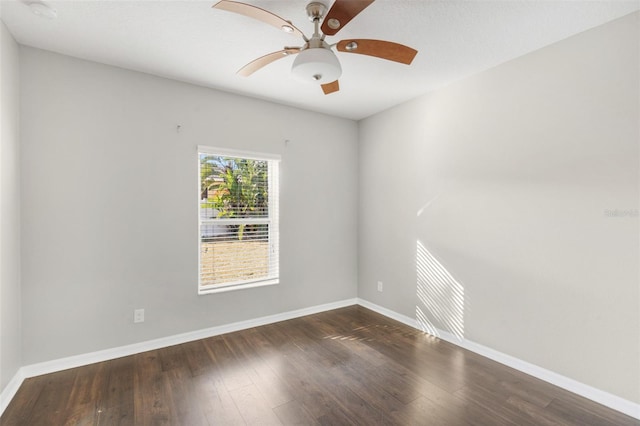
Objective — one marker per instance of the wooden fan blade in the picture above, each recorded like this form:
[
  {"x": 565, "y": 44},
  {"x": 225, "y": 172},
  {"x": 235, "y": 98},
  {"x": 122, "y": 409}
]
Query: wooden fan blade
[
  {"x": 259, "y": 14},
  {"x": 265, "y": 60},
  {"x": 341, "y": 13},
  {"x": 330, "y": 87},
  {"x": 380, "y": 49}
]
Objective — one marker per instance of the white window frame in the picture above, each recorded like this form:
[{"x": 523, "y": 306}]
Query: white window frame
[{"x": 273, "y": 172}]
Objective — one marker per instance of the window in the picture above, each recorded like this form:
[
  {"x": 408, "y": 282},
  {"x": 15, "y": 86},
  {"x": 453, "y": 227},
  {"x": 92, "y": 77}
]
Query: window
[{"x": 238, "y": 219}]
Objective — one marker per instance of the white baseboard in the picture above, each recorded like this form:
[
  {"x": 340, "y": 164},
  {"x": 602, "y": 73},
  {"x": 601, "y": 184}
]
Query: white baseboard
[
  {"x": 612, "y": 401},
  {"x": 104, "y": 355},
  {"x": 609, "y": 400},
  {"x": 10, "y": 390}
]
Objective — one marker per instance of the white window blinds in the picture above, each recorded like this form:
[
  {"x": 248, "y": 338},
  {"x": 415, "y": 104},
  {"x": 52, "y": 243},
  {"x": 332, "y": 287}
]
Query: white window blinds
[{"x": 238, "y": 219}]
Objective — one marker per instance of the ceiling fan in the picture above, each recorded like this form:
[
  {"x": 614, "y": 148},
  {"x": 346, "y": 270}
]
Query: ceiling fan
[{"x": 315, "y": 60}]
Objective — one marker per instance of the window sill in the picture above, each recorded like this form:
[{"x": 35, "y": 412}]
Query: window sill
[{"x": 233, "y": 287}]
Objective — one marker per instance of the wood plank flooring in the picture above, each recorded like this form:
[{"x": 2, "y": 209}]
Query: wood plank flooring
[{"x": 349, "y": 366}]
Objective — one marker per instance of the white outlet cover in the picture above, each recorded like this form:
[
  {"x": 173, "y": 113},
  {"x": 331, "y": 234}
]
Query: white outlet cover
[{"x": 138, "y": 315}]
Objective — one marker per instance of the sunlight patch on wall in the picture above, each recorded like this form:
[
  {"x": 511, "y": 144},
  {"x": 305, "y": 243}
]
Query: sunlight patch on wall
[
  {"x": 428, "y": 203},
  {"x": 440, "y": 295}
]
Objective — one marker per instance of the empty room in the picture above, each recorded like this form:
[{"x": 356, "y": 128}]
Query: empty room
[{"x": 333, "y": 212}]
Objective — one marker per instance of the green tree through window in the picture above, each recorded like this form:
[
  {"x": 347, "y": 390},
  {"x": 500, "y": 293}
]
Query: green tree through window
[{"x": 237, "y": 232}]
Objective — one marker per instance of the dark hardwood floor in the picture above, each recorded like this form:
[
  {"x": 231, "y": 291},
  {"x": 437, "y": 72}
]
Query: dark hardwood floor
[{"x": 347, "y": 366}]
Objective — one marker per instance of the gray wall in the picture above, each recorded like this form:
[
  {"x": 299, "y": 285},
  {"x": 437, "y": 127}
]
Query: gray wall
[
  {"x": 110, "y": 205},
  {"x": 488, "y": 208},
  {"x": 9, "y": 208}
]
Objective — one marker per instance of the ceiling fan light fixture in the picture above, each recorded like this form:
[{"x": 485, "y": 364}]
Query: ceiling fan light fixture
[{"x": 316, "y": 65}]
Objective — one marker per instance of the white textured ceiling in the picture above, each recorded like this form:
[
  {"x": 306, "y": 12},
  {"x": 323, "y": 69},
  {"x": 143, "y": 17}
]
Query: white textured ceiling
[{"x": 190, "y": 41}]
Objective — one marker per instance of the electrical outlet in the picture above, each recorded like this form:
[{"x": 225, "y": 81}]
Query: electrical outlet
[
  {"x": 379, "y": 285},
  {"x": 138, "y": 315}
]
